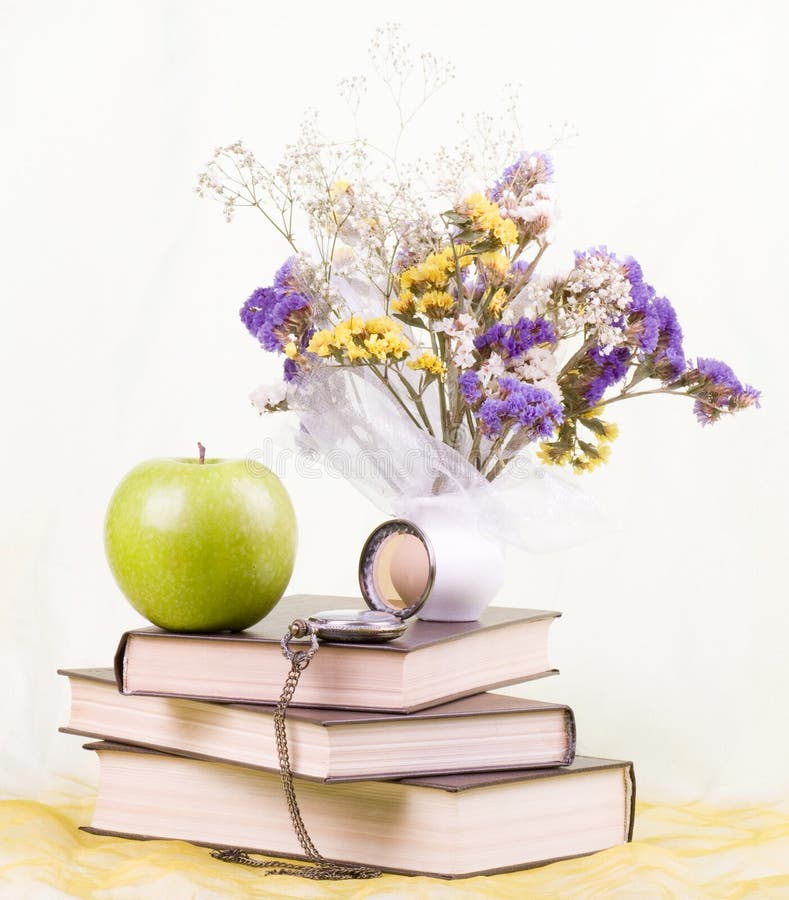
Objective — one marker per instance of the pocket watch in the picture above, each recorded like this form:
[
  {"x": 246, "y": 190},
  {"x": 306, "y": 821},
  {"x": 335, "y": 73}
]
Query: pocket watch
[{"x": 397, "y": 567}]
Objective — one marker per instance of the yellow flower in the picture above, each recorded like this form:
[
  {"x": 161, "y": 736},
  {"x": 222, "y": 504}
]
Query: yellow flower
[
  {"x": 486, "y": 216},
  {"x": 506, "y": 232},
  {"x": 427, "y": 272},
  {"x": 377, "y": 346},
  {"x": 345, "y": 332},
  {"x": 322, "y": 343},
  {"x": 384, "y": 338},
  {"x": 610, "y": 431},
  {"x": 435, "y": 270},
  {"x": 404, "y": 305},
  {"x": 359, "y": 340},
  {"x": 590, "y": 461},
  {"x": 355, "y": 351},
  {"x": 605, "y": 431},
  {"x": 429, "y": 362},
  {"x": 383, "y": 346},
  {"x": 462, "y": 251},
  {"x": 383, "y": 325},
  {"x": 291, "y": 350},
  {"x": 582, "y": 459},
  {"x": 407, "y": 279},
  {"x": 497, "y": 302},
  {"x": 435, "y": 304},
  {"x": 552, "y": 454},
  {"x": 398, "y": 347},
  {"x": 445, "y": 258},
  {"x": 480, "y": 210},
  {"x": 496, "y": 261}
]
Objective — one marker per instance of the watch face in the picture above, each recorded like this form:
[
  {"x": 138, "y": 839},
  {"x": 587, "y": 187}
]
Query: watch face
[
  {"x": 366, "y": 626},
  {"x": 397, "y": 568}
]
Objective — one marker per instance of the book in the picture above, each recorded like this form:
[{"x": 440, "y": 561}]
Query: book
[
  {"x": 432, "y": 663},
  {"x": 479, "y": 733},
  {"x": 448, "y": 826}
]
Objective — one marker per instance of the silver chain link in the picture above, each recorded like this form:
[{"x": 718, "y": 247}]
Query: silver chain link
[{"x": 322, "y": 868}]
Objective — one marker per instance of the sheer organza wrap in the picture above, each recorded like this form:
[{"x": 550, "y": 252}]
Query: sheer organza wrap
[{"x": 349, "y": 421}]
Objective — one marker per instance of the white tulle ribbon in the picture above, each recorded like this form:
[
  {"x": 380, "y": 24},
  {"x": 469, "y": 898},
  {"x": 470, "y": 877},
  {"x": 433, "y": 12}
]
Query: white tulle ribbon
[{"x": 355, "y": 427}]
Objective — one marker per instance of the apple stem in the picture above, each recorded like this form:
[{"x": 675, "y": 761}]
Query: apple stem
[{"x": 201, "y": 451}]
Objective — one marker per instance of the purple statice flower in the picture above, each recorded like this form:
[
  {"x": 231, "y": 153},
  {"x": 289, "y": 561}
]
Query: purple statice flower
[
  {"x": 599, "y": 255},
  {"x": 517, "y": 274},
  {"x": 290, "y": 371},
  {"x": 653, "y": 325},
  {"x": 273, "y": 314},
  {"x": 640, "y": 291},
  {"x": 527, "y": 170},
  {"x": 527, "y": 333},
  {"x": 306, "y": 338},
  {"x": 256, "y": 313},
  {"x": 489, "y": 415},
  {"x": 519, "y": 267},
  {"x": 719, "y": 390},
  {"x": 718, "y": 372},
  {"x": 514, "y": 341},
  {"x": 267, "y": 314},
  {"x": 609, "y": 368},
  {"x": 669, "y": 356},
  {"x": 492, "y": 337},
  {"x": 469, "y": 386},
  {"x": 520, "y": 406},
  {"x": 644, "y": 321},
  {"x": 286, "y": 277}
]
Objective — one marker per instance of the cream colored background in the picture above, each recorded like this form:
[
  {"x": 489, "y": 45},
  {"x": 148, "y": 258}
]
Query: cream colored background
[{"x": 120, "y": 337}]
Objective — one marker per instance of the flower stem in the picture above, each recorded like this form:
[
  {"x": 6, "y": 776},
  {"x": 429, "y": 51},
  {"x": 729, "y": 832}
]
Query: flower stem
[
  {"x": 473, "y": 454},
  {"x": 440, "y": 351},
  {"x": 388, "y": 385},
  {"x": 628, "y": 396},
  {"x": 575, "y": 358},
  {"x": 665, "y": 391},
  {"x": 533, "y": 264},
  {"x": 416, "y": 401}
]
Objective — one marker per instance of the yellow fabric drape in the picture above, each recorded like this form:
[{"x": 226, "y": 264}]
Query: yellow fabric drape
[{"x": 682, "y": 852}]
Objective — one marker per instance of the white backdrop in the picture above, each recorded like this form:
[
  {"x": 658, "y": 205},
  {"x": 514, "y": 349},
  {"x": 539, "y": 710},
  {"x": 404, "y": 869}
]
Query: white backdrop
[{"x": 120, "y": 292}]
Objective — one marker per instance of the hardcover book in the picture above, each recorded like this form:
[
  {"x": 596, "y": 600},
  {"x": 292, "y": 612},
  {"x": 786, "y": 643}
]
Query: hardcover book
[
  {"x": 478, "y": 733},
  {"x": 432, "y": 663},
  {"x": 448, "y": 826}
]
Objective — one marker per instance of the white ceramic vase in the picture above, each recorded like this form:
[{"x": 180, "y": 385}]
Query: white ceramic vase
[{"x": 469, "y": 565}]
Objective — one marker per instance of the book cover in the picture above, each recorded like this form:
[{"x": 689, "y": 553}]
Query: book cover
[
  {"x": 432, "y": 663},
  {"x": 447, "y": 826},
  {"x": 477, "y": 733}
]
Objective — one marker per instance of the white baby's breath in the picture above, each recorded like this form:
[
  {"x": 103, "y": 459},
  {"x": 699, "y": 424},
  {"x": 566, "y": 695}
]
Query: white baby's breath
[{"x": 382, "y": 245}]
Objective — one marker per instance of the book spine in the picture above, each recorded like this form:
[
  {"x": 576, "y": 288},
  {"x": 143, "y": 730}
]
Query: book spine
[
  {"x": 631, "y": 773},
  {"x": 570, "y": 731},
  {"x": 119, "y": 664}
]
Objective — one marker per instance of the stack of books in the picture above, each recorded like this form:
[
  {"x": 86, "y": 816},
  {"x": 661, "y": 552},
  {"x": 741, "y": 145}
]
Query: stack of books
[{"x": 402, "y": 758}]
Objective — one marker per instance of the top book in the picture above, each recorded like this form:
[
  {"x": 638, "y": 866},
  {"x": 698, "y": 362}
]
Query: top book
[{"x": 432, "y": 663}]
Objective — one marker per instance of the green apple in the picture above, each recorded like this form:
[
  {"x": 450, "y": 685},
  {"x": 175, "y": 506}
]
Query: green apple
[{"x": 201, "y": 544}]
